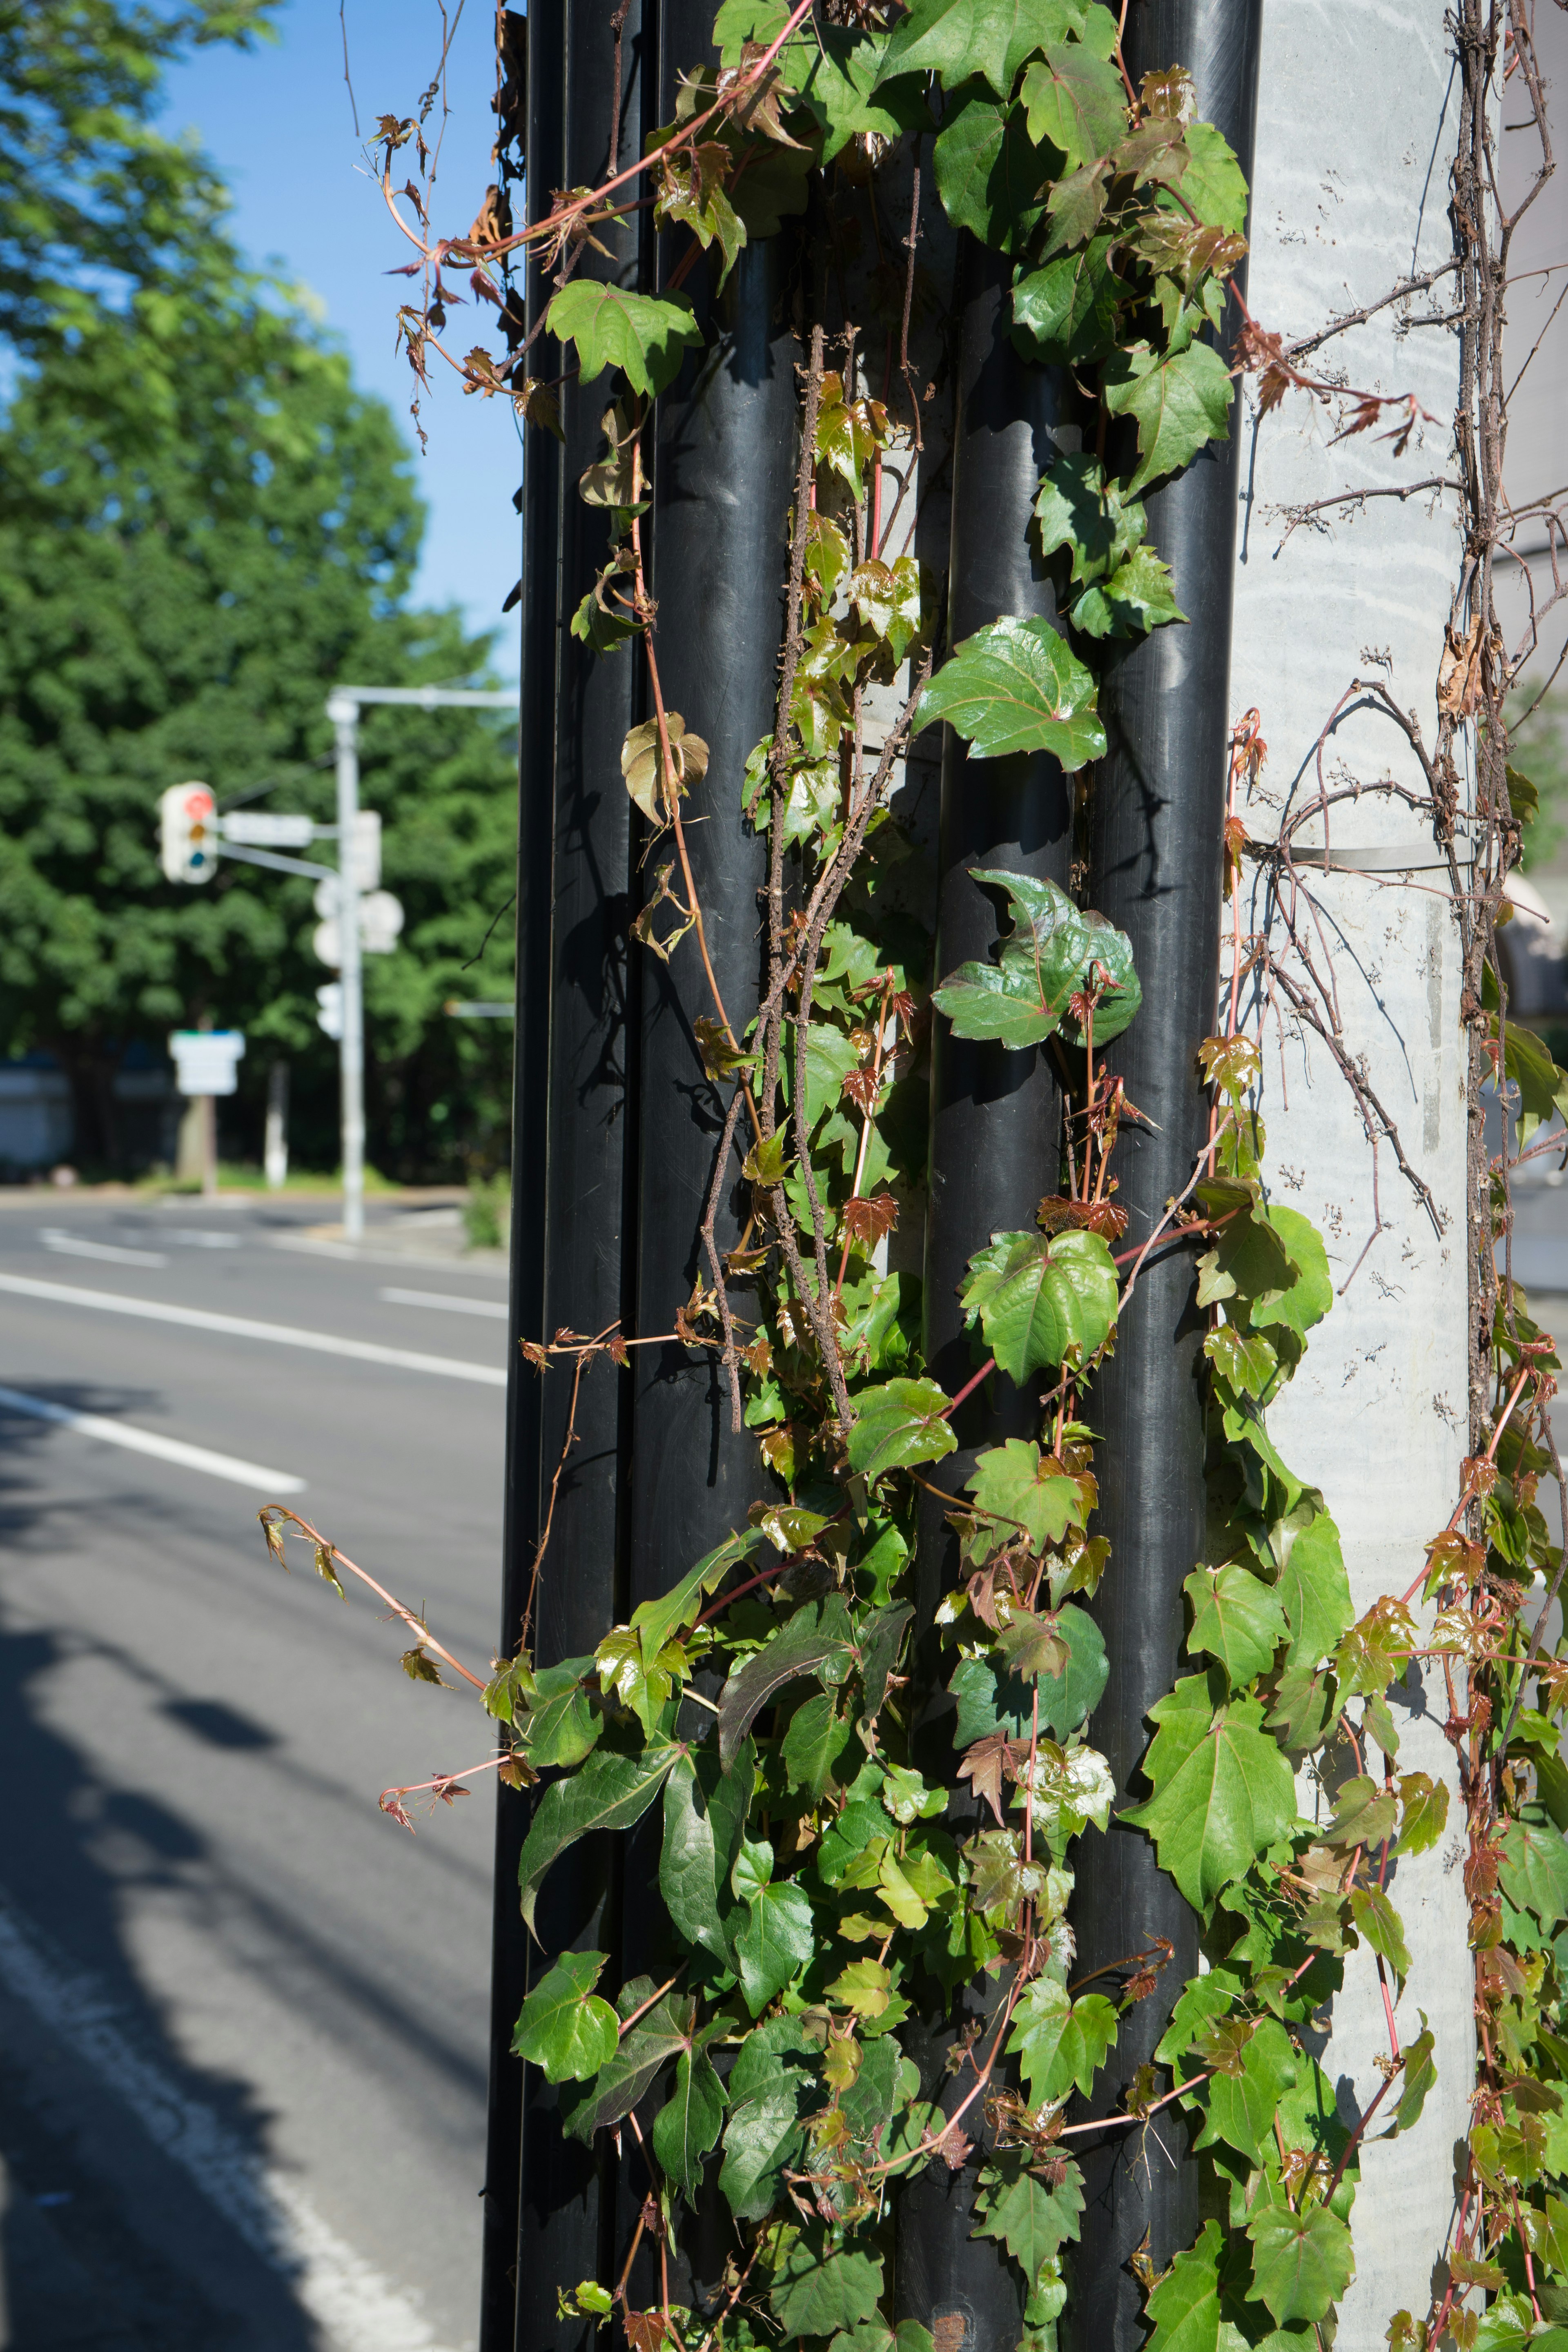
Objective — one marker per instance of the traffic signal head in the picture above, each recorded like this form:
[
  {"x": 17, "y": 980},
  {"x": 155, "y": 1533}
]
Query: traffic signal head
[{"x": 188, "y": 833}]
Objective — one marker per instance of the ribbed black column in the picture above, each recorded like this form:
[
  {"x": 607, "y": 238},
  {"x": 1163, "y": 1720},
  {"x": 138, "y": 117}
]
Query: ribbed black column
[
  {"x": 567, "y": 2194},
  {"x": 994, "y": 1143},
  {"x": 723, "y": 479},
  {"x": 1156, "y": 848},
  {"x": 541, "y": 527}
]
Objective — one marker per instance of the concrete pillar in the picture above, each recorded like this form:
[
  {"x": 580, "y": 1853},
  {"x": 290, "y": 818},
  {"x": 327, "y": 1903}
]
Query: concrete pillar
[{"x": 1358, "y": 123}]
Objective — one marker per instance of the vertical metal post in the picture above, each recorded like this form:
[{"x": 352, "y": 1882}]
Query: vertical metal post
[
  {"x": 344, "y": 715},
  {"x": 995, "y": 1146},
  {"x": 1156, "y": 844}
]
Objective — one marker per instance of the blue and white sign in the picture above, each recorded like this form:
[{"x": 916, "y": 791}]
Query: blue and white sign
[{"x": 205, "y": 1060}]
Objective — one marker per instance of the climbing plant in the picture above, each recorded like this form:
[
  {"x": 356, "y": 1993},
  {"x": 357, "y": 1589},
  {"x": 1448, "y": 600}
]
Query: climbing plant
[{"x": 853, "y": 1810}]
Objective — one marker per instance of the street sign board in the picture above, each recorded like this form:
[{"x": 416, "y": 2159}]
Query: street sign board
[
  {"x": 205, "y": 1060},
  {"x": 264, "y": 829}
]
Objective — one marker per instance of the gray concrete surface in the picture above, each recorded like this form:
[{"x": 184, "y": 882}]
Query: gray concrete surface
[{"x": 242, "y": 2015}]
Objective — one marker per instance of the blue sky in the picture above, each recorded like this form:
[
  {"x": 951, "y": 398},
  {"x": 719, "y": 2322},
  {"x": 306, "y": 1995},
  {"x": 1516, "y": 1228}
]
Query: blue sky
[{"x": 279, "y": 124}]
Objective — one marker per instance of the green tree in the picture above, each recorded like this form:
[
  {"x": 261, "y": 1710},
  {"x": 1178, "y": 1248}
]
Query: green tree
[
  {"x": 90, "y": 192},
  {"x": 202, "y": 527}
]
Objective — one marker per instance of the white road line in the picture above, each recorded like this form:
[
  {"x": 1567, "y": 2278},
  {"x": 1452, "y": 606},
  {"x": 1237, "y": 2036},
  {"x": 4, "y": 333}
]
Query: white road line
[
  {"x": 69, "y": 1246},
  {"x": 147, "y": 1440},
  {"x": 444, "y": 1298},
  {"x": 241, "y": 1327},
  {"x": 357, "y": 2308},
  {"x": 193, "y": 1239}
]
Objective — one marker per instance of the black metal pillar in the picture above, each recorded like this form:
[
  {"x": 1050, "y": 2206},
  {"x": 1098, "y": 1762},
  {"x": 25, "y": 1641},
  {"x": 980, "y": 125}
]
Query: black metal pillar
[
  {"x": 995, "y": 1148},
  {"x": 571, "y": 1183},
  {"x": 1157, "y": 831}
]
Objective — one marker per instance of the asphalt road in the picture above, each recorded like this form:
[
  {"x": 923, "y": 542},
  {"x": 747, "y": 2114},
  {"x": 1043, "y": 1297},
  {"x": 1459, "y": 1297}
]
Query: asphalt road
[{"x": 242, "y": 2014}]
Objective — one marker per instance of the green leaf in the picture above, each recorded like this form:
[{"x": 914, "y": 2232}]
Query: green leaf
[
  {"x": 1242, "y": 2105},
  {"x": 901, "y": 1423},
  {"x": 1315, "y": 1593},
  {"x": 563, "y": 2027},
  {"x": 1014, "y": 686},
  {"x": 1022, "y": 1487},
  {"x": 1077, "y": 508},
  {"x": 1223, "y": 1792},
  {"x": 644, "y": 335},
  {"x": 868, "y": 2105},
  {"x": 988, "y": 1702},
  {"x": 655, "y": 1623},
  {"x": 561, "y": 1724},
  {"x": 881, "y": 1639},
  {"x": 1418, "y": 2078},
  {"x": 1040, "y": 1297},
  {"x": 690, "y": 1870},
  {"x": 815, "y": 1637},
  {"x": 775, "y": 1942},
  {"x": 816, "y": 2292},
  {"x": 1077, "y": 101},
  {"x": 956, "y": 38},
  {"x": 1243, "y": 1358},
  {"x": 1308, "y": 1298},
  {"x": 1364, "y": 1814},
  {"x": 1059, "y": 2041},
  {"x": 1237, "y": 1619},
  {"x": 829, "y": 1059},
  {"x": 1023, "y": 998},
  {"x": 1064, "y": 314},
  {"x": 609, "y": 1793},
  {"x": 815, "y": 1741},
  {"x": 1031, "y": 2220},
  {"x": 1534, "y": 1870},
  {"x": 762, "y": 2133},
  {"x": 660, "y": 2035},
  {"x": 1213, "y": 183},
  {"x": 1423, "y": 1811},
  {"x": 1301, "y": 2262},
  {"x": 1179, "y": 405},
  {"x": 989, "y": 175},
  {"x": 1184, "y": 2306},
  {"x": 687, "y": 2127},
  {"x": 1139, "y": 595}
]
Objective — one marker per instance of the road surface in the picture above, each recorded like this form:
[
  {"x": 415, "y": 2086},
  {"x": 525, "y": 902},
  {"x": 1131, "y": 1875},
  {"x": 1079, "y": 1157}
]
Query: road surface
[{"x": 242, "y": 2015}]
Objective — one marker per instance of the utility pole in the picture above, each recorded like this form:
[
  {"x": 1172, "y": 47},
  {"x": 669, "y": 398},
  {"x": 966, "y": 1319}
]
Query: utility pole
[{"x": 344, "y": 706}]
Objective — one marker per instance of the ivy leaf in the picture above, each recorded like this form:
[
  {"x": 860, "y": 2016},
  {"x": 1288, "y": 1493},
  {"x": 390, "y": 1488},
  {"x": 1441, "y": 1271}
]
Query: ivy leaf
[
  {"x": 1184, "y": 2306},
  {"x": 563, "y": 2027},
  {"x": 609, "y": 1793},
  {"x": 1074, "y": 207},
  {"x": 901, "y": 1423},
  {"x": 1237, "y": 1619},
  {"x": 1019, "y": 1484},
  {"x": 1139, "y": 595},
  {"x": 1243, "y": 1358},
  {"x": 956, "y": 38},
  {"x": 1077, "y": 508},
  {"x": 1419, "y": 2077},
  {"x": 1076, "y": 100},
  {"x": 1223, "y": 1792},
  {"x": 655, "y": 2038},
  {"x": 816, "y": 2292},
  {"x": 641, "y": 1686},
  {"x": 1242, "y": 2105},
  {"x": 1423, "y": 1811},
  {"x": 1213, "y": 183},
  {"x": 1072, "y": 1787},
  {"x": 775, "y": 1942},
  {"x": 816, "y": 1739},
  {"x": 1301, "y": 2262},
  {"x": 655, "y": 1623},
  {"x": 644, "y": 335},
  {"x": 1308, "y": 1298},
  {"x": 764, "y": 2091},
  {"x": 1031, "y": 2220},
  {"x": 562, "y": 1725},
  {"x": 688, "y": 2124},
  {"x": 1179, "y": 405},
  {"x": 881, "y": 1639},
  {"x": 690, "y": 1866},
  {"x": 813, "y": 1637},
  {"x": 1380, "y": 1926},
  {"x": 1014, "y": 686},
  {"x": 1534, "y": 1870},
  {"x": 1059, "y": 2041},
  {"x": 1376, "y": 1647},
  {"x": 1064, "y": 315},
  {"x": 1040, "y": 1296},
  {"x": 989, "y": 1703},
  {"x": 1021, "y": 999},
  {"x": 865, "y": 1986},
  {"x": 1315, "y": 1593}
]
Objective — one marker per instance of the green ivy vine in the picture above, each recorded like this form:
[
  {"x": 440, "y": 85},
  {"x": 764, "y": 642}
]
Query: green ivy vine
[{"x": 817, "y": 1884}]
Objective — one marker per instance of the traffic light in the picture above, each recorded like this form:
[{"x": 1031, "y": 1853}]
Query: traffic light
[{"x": 187, "y": 816}]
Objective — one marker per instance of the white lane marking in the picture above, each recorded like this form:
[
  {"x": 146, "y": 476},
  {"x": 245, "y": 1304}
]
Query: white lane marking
[
  {"x": 147, "y": 1440},
  {"x": 71, "y": 1245},
  {"x": 360, "y": 2310},
  {"x": 358, "y": 1254},
  {"x": 241, "y": 1327},
  {"x": 445, "y": 1299},
  {"x": 193, "y": 1239}
]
